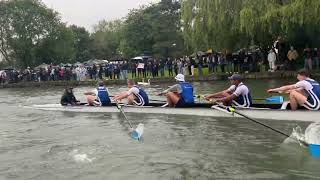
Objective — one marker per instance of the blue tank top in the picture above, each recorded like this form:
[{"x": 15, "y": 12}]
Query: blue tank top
[
  {"x": 187, "y": 92},
  {"x": 103, "y": 96},
  {"x": 315, "y": 89},
  {"x": 143, "y": 96},
  {"x": 244, "y": 100}
]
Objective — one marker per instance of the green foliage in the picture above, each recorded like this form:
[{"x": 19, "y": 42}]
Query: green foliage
[
  {"x": 106, "y": 39},
  {"x": 234, "y": 24},
  {"x": 59, "y": 47},
  {"x": 82, "y": 43},
  {"x": 24, "y": 24},
  {"x": 154, "y": 29}
]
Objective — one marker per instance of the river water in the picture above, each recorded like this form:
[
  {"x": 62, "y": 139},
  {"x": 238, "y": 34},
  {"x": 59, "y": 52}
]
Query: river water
[{"x": 48, "y": 145}]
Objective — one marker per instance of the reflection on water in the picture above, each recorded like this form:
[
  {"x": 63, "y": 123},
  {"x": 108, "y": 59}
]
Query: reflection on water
[{"x": 63, "y": 145}]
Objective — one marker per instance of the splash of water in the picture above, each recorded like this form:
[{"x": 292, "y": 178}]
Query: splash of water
[
  {"x": 312, "y": 134},
  {"x": 80, "y": 158},
  {"x": 296, "y": 136}
]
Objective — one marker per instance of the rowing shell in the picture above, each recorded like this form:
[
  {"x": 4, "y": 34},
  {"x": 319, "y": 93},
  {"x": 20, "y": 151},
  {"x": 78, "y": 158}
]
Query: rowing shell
[{"x": 259, "y": 111}]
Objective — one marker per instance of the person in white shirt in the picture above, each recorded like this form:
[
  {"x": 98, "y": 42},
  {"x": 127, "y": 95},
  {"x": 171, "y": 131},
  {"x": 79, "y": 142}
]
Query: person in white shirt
[
  {"x": 135, "y": 95},
  {"x": 272, "y": 57},
  {"x": 305, "y": 93},
  {"x": 237, "y": 95}
]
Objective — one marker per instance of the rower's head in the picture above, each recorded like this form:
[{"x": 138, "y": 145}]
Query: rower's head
[
  {"x": 235, "y": 79},
  {"x": 131, "y": 83},
  {"x": 69, "y": 90},
  {"x": 100, "y": 83},
  {"x": 303, "y": 74},
  {"x": 180, "y": 78}
]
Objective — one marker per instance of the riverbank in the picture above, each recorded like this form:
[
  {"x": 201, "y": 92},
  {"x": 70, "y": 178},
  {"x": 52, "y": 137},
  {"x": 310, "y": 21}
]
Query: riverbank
[{"x": 211, "y": 77}]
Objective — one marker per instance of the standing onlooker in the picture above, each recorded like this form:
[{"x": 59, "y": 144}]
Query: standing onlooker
[
  {"x": 292, "y": 57},
  {"x": 100, "y": 71},
  {"x": 272, "y": 57},
  {"x": 180, "y": 67},
  {"x": 175, "y": 67},
  {"x": 94, "y": 72},
  {"x": 200, "y": 66},
  {"x": 192, "y": 63},
  {"x": 318, "y": 56},
  {"x": 229, "y": 61},
  {"x": 307, "y": 59},
  {"x": 162, "y": 65},
  {"x": 170, "y": 67},
  {"x": 124, "y": 70},
  {"x": 315, "y": 58},
  {"x": 3, "y": 77},
  {"x": 222, "y": 62}
]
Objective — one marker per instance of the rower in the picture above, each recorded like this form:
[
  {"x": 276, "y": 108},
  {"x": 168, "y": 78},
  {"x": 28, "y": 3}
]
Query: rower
[
  {"x": 135, "y": 96},
  {"x": 181, "y": 94},
  {"x": 68, "y": 98},
  {"x": 305, "y": 93},
  {"x": 99, "y": 96},
  {"x": 237, "y": 95}
]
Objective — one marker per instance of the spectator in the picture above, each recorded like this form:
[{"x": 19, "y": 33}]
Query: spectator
[
  {"x": 292, "y": 58},
  {"x": 229, "y": 61},
  {"x": 94, "y": 72},
  {"x": 315, "y": 58},
  {"x": 124, "y": 70},
  {"x": 307, "y": 58},
  {"x": 200, "y": 66},
  {"x": 100, "y": 71},
  {"x": 170, "y": 67},
  {"x": 3, "y": 77},
  {"x": 162, "y": 66},
  {"x": 272, "y": 57},
  {"x": 192, "y": 63},
  {"x": 175, "y": 67}
]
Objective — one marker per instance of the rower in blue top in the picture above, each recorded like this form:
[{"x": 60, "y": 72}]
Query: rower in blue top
[
  {"x": 305, "y": 93},
  {"x": 237, "y": 95},
  {"x": 181, "y": 94},
  {"x": 135, "y": 95},
  {"x": 99, "y": 96}
]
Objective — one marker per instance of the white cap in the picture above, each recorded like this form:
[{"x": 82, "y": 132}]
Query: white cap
[{"x": 180, "y": 77}]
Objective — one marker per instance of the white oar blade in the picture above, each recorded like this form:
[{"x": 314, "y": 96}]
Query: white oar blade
[{"x": 138, "y": 132}]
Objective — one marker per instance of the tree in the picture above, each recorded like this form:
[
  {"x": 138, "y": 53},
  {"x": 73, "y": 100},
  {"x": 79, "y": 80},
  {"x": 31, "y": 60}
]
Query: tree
[
  {"x": 59, "y": 47},
  {"x": 24, "y": 24},
  {"x": 234, "y": 24},
  {"x": 82, "y": 43},
  {"x": 106, "y": 39}
]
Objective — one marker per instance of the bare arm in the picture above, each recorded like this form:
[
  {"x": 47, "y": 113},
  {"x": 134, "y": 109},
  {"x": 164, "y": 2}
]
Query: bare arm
[
  {"x": 88, "y": 93},
  {"x": 282, "y": 89},
  {"x": 228, "y": 98},
  {"x": 120, "y": 96},
  {"x": 216, "y": 95}
]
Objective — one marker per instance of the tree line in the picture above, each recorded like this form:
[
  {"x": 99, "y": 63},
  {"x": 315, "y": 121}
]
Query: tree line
[{"x": 31, "y": 33}]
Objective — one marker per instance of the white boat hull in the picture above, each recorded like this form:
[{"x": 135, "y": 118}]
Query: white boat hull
[{"x": 269, "y": 114}]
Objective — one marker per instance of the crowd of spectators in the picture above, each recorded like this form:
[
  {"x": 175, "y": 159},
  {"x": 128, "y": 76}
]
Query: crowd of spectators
[{"x": 257, "y": 60}]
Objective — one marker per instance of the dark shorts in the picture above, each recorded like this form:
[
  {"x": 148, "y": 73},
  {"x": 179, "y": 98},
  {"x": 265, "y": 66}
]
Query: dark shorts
[
  {"x": 103, "y": 103},
  {"x": 312, "y": 103},
  {"x": 182, "y": 104}
]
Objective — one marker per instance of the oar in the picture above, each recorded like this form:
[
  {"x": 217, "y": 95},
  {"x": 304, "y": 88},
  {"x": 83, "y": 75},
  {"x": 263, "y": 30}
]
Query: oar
[
  {"x": 137, "y": 133},
  {"x": 272, "y": 99},
  {"x": 233, "y": 110}
]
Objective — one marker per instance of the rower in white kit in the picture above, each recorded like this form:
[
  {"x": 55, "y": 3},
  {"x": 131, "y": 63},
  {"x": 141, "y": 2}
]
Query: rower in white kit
[
  {"x": 305, "y": 93},
  {"x": 237, "y": 95}
]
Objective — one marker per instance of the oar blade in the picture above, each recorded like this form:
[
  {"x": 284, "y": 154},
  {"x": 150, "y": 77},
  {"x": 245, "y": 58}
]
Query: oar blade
[
  {"x": 275, "y": 99},
  {"x": 138, "y": 132},
  {"x": 314, "y": 150}
]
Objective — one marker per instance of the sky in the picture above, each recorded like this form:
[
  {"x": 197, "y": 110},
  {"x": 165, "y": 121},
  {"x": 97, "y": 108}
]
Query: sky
[{"x": 86, "y": 13}]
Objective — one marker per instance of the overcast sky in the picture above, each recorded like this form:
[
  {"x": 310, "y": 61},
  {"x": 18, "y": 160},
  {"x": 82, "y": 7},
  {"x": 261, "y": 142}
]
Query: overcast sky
[{"x": 88, "y": 12}]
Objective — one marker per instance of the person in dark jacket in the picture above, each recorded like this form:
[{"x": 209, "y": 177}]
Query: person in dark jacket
[{"x": 68, "y": 98}]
